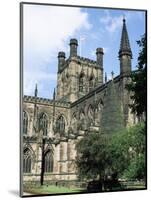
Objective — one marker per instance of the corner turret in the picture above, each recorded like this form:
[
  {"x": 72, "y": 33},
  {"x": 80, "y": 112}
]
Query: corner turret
[
  {"x": 73, "y": 47},
  {"x": 61, "y": 60}
]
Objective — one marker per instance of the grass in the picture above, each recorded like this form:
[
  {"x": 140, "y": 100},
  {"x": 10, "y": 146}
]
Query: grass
[{"x": 51, "y": 189}]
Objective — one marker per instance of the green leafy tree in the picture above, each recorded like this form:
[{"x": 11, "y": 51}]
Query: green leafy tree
[
  {"x": 138, "y": 85},
  {"x": 127, "y": 152},
  {"x": 92, "y": 158},
  {"x": 121, "y": 153}
]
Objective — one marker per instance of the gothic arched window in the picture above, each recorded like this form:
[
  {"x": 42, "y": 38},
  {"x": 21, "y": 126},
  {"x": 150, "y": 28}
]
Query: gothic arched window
[
  {"x": 25, "y": 122},
  {"x": 27, "y": 161},
  {"x": 43, "y": 123},
  {"x": 48, "y": 162},
  {"x": 60, "y": 124},
  {"x": 81, "y": 83}
]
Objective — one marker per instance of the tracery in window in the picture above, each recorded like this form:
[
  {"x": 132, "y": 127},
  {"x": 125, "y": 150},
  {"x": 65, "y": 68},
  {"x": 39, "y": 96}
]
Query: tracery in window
[
  {"x": 48, "y": 162},
  {"x": 43, "y": 123},
  {"x": 27, "y": 161},
  {"x": 60, "y": 124},
  {"x": 81, "y": 82}
]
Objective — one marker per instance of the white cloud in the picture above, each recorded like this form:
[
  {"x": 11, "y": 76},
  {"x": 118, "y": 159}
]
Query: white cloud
[
  {"x": 47, "y": 30},
  {"x": 112, "y": 23},
  {"x": 32, "y": 78}
]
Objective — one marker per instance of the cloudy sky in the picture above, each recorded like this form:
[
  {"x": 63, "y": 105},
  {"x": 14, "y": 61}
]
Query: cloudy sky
[{"x": 48, "y": 29}]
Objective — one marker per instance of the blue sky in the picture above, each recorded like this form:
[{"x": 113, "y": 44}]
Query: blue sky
[{"x": 48, "y": 30}]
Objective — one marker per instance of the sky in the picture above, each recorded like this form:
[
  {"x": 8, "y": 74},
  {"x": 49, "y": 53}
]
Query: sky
[{"x": 48, "y": 30}]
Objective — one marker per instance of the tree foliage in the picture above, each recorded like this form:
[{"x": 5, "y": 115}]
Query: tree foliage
[
  {"x": 122, "y": 153},
  {"x": 127, "y": 150},
  {"x": 92, "y": 158},
  {"x": 138, "y": 86}
]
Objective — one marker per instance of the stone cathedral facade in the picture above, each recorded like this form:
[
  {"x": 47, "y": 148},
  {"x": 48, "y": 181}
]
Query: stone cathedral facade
[{"x": 51, "y": 128}]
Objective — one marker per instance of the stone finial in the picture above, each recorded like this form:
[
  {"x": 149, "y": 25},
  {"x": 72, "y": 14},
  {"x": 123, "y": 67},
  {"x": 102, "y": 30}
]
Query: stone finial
[
  {"x": 54, "y": 94},
  {"x": 36, "y": 90},
  {"x": 105, "y": 77},
  {"x": 112, "y": 74}
]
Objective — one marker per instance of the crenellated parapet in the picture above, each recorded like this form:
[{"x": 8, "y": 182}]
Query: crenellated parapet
[{"x": 45, "y": 101}]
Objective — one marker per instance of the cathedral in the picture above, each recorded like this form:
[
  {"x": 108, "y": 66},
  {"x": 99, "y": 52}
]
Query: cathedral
[{"x": 51, "y": 127}]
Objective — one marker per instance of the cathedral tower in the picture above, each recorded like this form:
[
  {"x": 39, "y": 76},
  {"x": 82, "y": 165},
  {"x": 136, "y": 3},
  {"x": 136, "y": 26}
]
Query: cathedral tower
[{"x": 77, "y": 76}]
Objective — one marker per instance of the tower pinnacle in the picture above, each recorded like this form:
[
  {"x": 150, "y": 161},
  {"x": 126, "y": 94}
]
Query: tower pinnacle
[
  {"x": 125, "y": 53},
  {"x": 36, "y": 90},
  {"x": 125, "y": 48}
]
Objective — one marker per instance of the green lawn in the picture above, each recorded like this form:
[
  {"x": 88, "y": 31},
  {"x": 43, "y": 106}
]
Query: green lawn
[{"x": 51, "y": 190}]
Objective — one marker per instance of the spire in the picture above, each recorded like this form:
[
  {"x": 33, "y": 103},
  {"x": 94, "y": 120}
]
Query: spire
[
  {"x": 105, "y": 77},
  {"x": 36, "y": 90},
  {"x": 112, "y": 75},
  {"x": 125, "y": 45},
  {"x": 54, "y": 94}
]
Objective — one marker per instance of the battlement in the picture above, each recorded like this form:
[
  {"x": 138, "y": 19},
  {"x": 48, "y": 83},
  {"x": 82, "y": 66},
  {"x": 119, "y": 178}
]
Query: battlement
[
  {"x": 45, "y": 101},
  {"x": 87, "y": 60},
  {"x": 79, "y": 60},
  {"x": 62, "y": 63}
]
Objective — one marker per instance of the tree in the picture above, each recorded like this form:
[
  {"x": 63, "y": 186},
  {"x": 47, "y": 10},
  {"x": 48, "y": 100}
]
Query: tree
[
  {"x": 121, "y": 153},
  {"x": 112, "y": 116},
  {"x": 127, "y": 152},
  {"x": 92, "y": 158},
  {"x": 138, "y": 85}
]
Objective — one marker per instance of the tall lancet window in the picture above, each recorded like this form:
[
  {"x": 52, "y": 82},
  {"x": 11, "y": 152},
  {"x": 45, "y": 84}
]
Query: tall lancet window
[
  {"x": 48, "y": 162},
  {"x": 27, "y": 161},
  {"x": 43, "y": 123},
  {"x": 91, "y": 83},
  {"x": 90, "y": 114},
  {"x": 25, "y": 122},
  {"x": 81, "y": 83},
  {"x": 98, "y": 112},
  {"x": 60, "y": 124}
]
